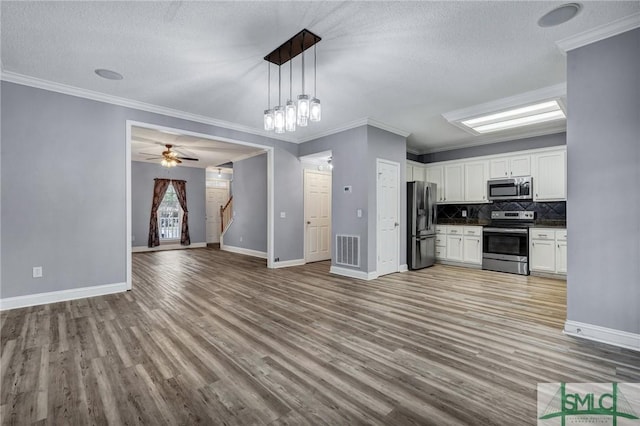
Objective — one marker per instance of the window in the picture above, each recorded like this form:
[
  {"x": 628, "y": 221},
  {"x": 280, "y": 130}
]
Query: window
[{"x": 170, "y": 216}]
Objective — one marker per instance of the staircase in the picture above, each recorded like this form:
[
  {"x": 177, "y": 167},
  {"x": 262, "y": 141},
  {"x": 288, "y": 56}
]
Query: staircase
[{"x": 226, "y": 215}]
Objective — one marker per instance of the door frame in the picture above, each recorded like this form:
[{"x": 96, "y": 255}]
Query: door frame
[
  {"x": 398, "y": 212},
  {"x": 304, "y": 212},
  {"x": 270, "y": 185}
]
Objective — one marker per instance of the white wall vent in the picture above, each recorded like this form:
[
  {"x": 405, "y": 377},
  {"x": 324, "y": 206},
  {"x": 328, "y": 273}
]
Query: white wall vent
[{"x": 348, "y": 250}]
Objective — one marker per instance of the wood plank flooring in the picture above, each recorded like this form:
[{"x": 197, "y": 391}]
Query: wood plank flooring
[{"x": 208, "y": 337}]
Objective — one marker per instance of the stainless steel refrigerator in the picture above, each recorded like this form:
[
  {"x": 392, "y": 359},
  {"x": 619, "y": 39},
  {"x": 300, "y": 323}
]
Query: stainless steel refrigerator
[{"x": 421, "y": 224}]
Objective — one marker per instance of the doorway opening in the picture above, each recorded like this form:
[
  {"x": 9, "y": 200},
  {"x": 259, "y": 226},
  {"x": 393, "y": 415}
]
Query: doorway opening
[{"x": 317, "y": 181}]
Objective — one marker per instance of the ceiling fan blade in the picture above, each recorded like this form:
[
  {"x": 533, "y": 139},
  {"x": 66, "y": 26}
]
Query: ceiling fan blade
[
  {"x": 187, "y": 158},
  {"x": 178, "y": 161},
  {"x": 154, "y": 158},
  {"x": 149, "y": 153}
]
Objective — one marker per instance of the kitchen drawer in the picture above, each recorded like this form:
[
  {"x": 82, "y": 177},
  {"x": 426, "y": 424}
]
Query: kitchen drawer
[
  {"x": 455, "y": 230},
  {"x": 441, "y": 229},
  {"x": 542, "y": 234},
  {"x": 473, "y": 230},
  {"x": 561, "y": 235},
  {"x": 441, "y": 241},
  {"x": 440, "y": 252}
]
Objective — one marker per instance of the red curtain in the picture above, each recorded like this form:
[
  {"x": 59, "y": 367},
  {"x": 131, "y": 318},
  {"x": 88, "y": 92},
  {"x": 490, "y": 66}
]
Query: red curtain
[
  {"x": 180, "y": 187},
  {"x": 159, "y": 189}
]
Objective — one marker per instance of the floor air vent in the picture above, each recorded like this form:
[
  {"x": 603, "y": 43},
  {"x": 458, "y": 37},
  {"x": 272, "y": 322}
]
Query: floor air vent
[{"x": 348, "y": 250}]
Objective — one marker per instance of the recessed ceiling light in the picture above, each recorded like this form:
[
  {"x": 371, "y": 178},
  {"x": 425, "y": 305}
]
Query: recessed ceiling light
[
  {"x": 108, "y": 74},
  {"x": 560, "y": 15}
]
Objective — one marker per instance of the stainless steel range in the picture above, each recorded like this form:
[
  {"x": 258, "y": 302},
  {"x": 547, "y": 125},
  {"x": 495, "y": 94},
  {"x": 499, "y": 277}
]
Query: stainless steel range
[{"x": 506, "y": 242}]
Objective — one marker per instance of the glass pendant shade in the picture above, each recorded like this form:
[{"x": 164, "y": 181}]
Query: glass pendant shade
[
  {"x": 303, "y": 110},
  {"x": 268, "y": 120},
  {"x": 315, "y": 110},
  {"x": 290, "y": 116},
  {"x": 164, "y": 163},
  {"x": 279, "y": 119}
]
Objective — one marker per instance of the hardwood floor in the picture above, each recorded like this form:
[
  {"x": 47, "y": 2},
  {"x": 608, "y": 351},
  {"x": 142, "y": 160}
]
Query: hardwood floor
[{"x": 215, "y": 338}]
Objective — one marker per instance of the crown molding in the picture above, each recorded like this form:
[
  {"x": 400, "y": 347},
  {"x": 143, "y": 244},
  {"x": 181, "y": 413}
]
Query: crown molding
[
  {"x": 601, "y": 32},
  {"x": 38, "y": 83},
  {"x": 352, "y": 125}
]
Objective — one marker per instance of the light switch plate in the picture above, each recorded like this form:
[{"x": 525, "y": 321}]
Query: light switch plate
[
  {"x": 283, "y": 215},
  {"x": 37, "y": 272}
]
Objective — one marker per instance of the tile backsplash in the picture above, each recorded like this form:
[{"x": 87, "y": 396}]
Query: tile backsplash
[{"x": 544, "y": 211}]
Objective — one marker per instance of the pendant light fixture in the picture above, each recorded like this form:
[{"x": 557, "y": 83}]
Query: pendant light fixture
[
  {"x": 290, "y": 109},
  {"x": 315, "y": 109},
  {"x": 279, "y": 112},
  {"x": 268, "y": 113},
  {"x": 296, "y": 113}
]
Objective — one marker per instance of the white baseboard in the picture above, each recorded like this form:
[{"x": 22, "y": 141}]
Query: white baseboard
[
  {"x": 352, "y": 273},
  {"x": 288, "y": 263},
  {"x": 549, "y": 275},
  {"x": 240, "y": 250},
  {"x": 623, "y": 339},
  {"x": 60, "y": 296},
  {"x": 403, "y": 268},
  {"x": 163, "y": 247}
]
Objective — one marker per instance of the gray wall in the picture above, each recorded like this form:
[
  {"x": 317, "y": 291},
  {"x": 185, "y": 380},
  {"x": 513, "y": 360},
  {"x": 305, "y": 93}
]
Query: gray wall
[
  {"x": 349, "y": 151},
  {"x": 249, "y": 227},
  {"x": 496, "y": 148},
  {"x": 67, "y": 210},
  {"x": 142, "y": 176},
  {"x": 387, "y": 146},
  {"x": 603, "y": 145},
  {"x": 354, "y": 154}
]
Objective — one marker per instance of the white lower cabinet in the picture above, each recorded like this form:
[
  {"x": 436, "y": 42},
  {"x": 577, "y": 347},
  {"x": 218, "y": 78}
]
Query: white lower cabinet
[
  {"x": 461, "y": 244},
  {"x": 472, "y": 245},
  {"x": 548, "y": 250}
]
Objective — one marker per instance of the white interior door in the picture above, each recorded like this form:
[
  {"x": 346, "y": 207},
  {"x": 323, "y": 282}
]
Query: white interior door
[
  {"x": 216, "y": 198},
  {"x": 388, "y": 224},
  {"x": 317, "y": 215}
]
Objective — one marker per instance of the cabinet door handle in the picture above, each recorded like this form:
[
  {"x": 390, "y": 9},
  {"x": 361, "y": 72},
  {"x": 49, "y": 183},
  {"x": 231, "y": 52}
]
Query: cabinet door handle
[
  {"x": 558, "y": 245},
  {"x": 533, "y": 244},
  {"x": 505, "y": 173},
  {"x": 542, "y": 235}
]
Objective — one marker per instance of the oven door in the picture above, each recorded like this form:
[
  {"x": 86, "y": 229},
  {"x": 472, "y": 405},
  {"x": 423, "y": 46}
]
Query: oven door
[{"x": 506, "y": 244}]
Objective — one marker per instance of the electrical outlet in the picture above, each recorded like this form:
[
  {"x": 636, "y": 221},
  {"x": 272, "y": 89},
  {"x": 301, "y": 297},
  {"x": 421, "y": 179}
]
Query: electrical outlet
[
  {"x": 359, "y": 212},
  {"x": 464, "y": 213},
  {"x": 240, "y": 239},
  {"x": 37, "y": 272},
  {"x": 277, "y": 259}
]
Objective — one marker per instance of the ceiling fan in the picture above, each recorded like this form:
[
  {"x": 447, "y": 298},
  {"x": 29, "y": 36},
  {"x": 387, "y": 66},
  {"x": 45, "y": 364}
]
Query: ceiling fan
[{"x": 171, "y": 158}]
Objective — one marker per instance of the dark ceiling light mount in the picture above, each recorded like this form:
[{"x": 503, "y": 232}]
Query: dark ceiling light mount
[
  {"x": 281, "y": 118},
  {"x": 108, "y": 74},
  {"x": 560, "y": 15}
]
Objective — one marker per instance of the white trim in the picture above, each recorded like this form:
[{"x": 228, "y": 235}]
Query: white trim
[
  {"x": 270, "y": 208},
  {"x": 130, "y": 103},
  {"x": 128, "y": 203},
  {"x": 288, "y": 263},
  {"x": 245, "y": 251},
  {"x": 353, "y": 273},
  {"x": 354, "y": 124},
  {"x": 61, "y": 296},
  {"x": 403, "y": 268},
  {"x": 246, "y": 156},
  {"x": 52, "y": 86},
  {"x": 601, "y": 32},
  {"x": 163, "y": 247},
  {"x": 398, "y": 180},
  {"x": 610, "y": 336}
]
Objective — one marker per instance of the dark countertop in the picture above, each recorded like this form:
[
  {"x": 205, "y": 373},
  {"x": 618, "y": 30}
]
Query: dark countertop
[{"x": 484, "y": 222}]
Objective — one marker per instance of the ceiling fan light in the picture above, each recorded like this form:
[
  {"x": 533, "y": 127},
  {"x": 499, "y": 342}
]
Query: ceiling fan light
[
  {"x": 164, "y": 163},
  {"x": 279, "y": 120},
  {"x": 315, "y": 110},
  {"x": 290, "y": 116},
  {"x": 303, "y": 110}
]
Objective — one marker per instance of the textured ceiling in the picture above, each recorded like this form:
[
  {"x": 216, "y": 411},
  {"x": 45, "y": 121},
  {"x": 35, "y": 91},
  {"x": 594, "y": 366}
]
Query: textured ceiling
[{"x": 400, "y": 63}]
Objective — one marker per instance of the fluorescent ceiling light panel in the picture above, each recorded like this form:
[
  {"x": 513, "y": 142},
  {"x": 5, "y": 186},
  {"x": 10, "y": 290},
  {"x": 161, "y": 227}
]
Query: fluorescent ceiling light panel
[{"x": 517, "y": 117}]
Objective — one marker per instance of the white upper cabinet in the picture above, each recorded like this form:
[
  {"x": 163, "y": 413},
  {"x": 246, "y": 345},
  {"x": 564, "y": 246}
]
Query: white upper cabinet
[
  {"x": 549, "y": 173},
  {"x": 418, "y": 173},
  {"x": 517, "y": 165},
  {"x": 434, "y": 174},
  {"x": 475, "y": 181},
  {"x": 454, "y": 183}
]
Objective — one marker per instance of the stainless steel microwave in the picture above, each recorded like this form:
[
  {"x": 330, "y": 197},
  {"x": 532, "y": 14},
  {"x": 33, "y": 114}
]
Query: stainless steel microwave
[{"x": 520, "y": 188}]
